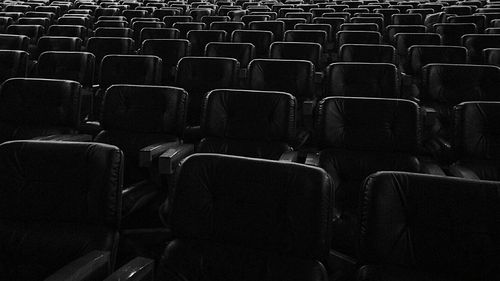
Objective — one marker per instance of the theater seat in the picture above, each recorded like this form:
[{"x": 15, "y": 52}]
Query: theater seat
[
  {"x": 476, "y": 43},
  {"x": 59, "y": 201},
  {"x": 249, "y": 123},
  {"x": 367, "y": 53},
  {"x": 40, "y": 108},
  {"x": 170, "y": 51},
  {"x": 359, "y": 136},
  {"x": 143, "y": 121},
  {"x": 358, "y": 79},
  {"x": 274, "y": 226},
  {"x": 476, "y": 141},
  {"x": 13, "y": 64},
  {"x": 410, "y": 232}
]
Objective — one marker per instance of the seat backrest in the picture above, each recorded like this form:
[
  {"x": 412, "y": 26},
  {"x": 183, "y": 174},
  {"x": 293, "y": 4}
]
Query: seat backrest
[
  {"x": 451, "y": 33},
  {"x": 291, "y": 22},
  {"x": 130, "y": 69},
  {"x": 358, "y": 79},
  {"x": 478, "y": 20},
  {"x": 291, "y": 76},
  {"x": 406, "y": 19},
  {"x": 261, "y": 39},
  {"x": 358, "y": 37},
  {"x": 276, "y": 27},
  {"x": 261, "y": 224},
  {"x": 200, "y": 38},
  {"x": 243, "y": 52},
  {"x": 312, "y": 36},
  {"x": 407, "y": 227},
  {"x": 476, "y": 43},
  {"x": 491, "y": 56},
  {"x": 298, "y": 51},
  {"x": 199, "y": 75},
  {"x": 32, "y": 31},
  {"x": 171, "y": 20},
  {"x": 367, "y": 53},
  {"x": 451, "y": 84},
  {"x": 58, "y": 43},
  {"x": 103, "y": 46},
  {"x": 159, "y": 33},
  {"x": 421, "y": 55},
  {"x": 73, "y": 191},
  {"x": 392, "y": 30},
  {"x": 185, "y": 27},
  {"x": 248, "y": 123},
  {"x": 359, "y": 27},
  {"x": 13, "y": 64},
  {"x": 113, "y": 32},
  {"x": 31, "y": 107},
  {"x": 169, "y": 50},
  {"x": 227, "y": 26},
  {"x": 76, "y": 66},
  {"x": 67, "y": 30},
  {"x": 369, "y": 124}
]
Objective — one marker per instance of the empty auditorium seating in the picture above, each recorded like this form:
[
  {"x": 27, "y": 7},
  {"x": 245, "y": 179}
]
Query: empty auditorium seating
[
  {"x": 476, "y": 43},
  {"x": 102, "y": 46},
  {"x": 185, "y": 27},
  {"x": 298, "y": 51},
  {"x": 358, "y": 79},
  {"x": 358, "y": 37},
  {"x": 67, "y": 30},
  {"x": 227, "y": 26},
  {"x": 491, "y": 56},
  {"x": 76, "y": 66},
  {"x": 199, "y": 75},
  {"x": 403, "y": 41},
  {"x": 243, "y": 52},
  {"x": 170, "y": 51},
  {"x": 451, "y": 33},
  {"x": 200, "y": 38},
  {"x": 57, "y": 43},
  {"x": 475, "y": 141},
  {"x": 358, "y": 136},
  {"x": 13, "y": 64},
  {"x": 311, "y": 36},
  {"x": 276, "y": 27},
  {"x": 138, "y": 119},
  {"x": 367, "y": 53},
  {"x": 408, "y": 232},
  {"x": 39, "y": 108},
  {"x": 59, "y": 202},
  {"x": 261, "y": 39},
  {"x": 247, "y": 237}
]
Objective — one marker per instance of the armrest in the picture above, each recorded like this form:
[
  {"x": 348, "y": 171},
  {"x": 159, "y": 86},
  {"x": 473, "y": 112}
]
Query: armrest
[
  {"x": 462, "y": 172},
  {"x": 138, "y": 269},
  {"x": 75, "y": 138},
  {"x": 169, "y": 160},
  {"x": 95, "y": 265},
  {"x": 308, "y": 107},
  {"x": 312, "y": 159},
  {"x": 432, "y": 169},
  {"x": 148, "y": 153},
  {"x": 341, "y": 266},
  {"x": 430, "y": 116},
  {"x": 289, "y": 156},
  {"x": 318, "y": 77}
]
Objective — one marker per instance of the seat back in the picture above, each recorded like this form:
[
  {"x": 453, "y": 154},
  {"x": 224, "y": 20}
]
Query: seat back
[
  {"x": 248, "y": 123},
  {"x": 200, "y": 38},
  {"x": 13, "y": 64},
  {"x": 476, "y": 43},
  {"x": 130, "y": 69},
  {"x": 73, "y": 191},
  {"x": 367, "y": 53},
  {"x": 261, "y": 39},
  {"x": 298, "y": 51},
  {"x": 76, "y": 66},
  {"x": 421, "y": 55},
  {"x": 243, "y": 52},
  {"x": 451, "y": 33}
]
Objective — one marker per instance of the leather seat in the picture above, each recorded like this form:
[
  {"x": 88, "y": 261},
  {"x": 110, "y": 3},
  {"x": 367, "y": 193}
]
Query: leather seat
[
  {"x": 159, "y": 33},
  {"x": 72, "y": 205},
  {"x": 478, "y": 20},
  {"x": 357, "y": 79},
  {"x": 392, "y": 30},
  {"x": 227, "y": 26},
  {"x": 446, "y": 85},
  {"x": 76, "y": 66},
  {"x": 171, "y": 20},
  {"x": 420, "y": 227},
  {"x": 32, "y": 31},
  {"x": 198, "y": 76},
  {"x": 311, "y": 36},
  {"x": 451, "y": 33},
  {"x": 403, "y": 41},
  {"x": 102, "y": 46},
  {"x": 243, "y": 52},
  {"x": 13, "y": 64},
  {"x": 56, "y": 43},
  {"x": 35, "y": 108},
  {"x": 406, "y": 19},
  {"x": 134, "y": 117},
  {"x": 476, "y": 43},
  {"x": 358, "y": 37},
  {"x": 476, "y": 141},
  {"x": 170, "y": 51},
  {"x": 67, "y": 30},
  {"x": 137, "y": 27},
  {"x": 491, "y": 56},
  {"x": 367, "y": 53},
  {"x": 276, "y": 27},
  {"x": 113, "y": 32},
  {"x": 185, "y": 27},
  {"x": 359, "y": 136},
  {"x": 298, "y": 51},
  {"x": 261, "y": 39},
  {"x": 243, "y": 236},
  {"x": 14, "y": 42},
  {"x": 249, "y": 123},
  {"x": 200, "y": 38}
]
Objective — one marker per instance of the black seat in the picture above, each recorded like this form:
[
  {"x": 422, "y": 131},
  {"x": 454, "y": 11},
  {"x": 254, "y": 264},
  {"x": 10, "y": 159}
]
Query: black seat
[
  {"x": 406, "y": 19},
  {"x": 13, "y": 64},
  {"x": 247, "y": 238},
  {"x": 358, "y": 37},
  {"x": 170, "y": 51},
  {"x": 403, "y": 41},
  {"x": 200, "y": 38},
  {"x": 298, "y": 51},
  {"x": 58, "y": 43},
  {"x": 392, "y": 30},
  {"x": 243, "y": 52},
  {"x": 311, "y": 36},
  {"x": 249, "y": 123},
  {"x": 159, "y": 33},
  {"x": 227, "y": 26},
  {"x": 103, "y": 46},
  {"x": 451, "y": 33},
  {"x": 67, "y": 30},
  {"x": 367, "y": 53},
  {"x": 39, "y": 108},
  {"x": 276, "y": 27},
  {"x": 198, "y": 76},
  {"x": 185, "y": 27},
  {"x": 261, "y": 39},
  {"x": 476, "y": 43},
  {"x": 361, "y": 79},
  {"x": 72, "y": 205},
  {"x": 491, "y": 56},
  {"x": 359, "y": 136},
  {"x": 113, "y": 32},
  {"x": 403, "y": 240}
]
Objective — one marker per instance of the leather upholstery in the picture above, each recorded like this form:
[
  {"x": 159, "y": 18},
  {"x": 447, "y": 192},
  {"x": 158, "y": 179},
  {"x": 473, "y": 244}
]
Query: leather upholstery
[
  {"x": 290, "y": 76},
  {"x": 273, "y": 226},
  {"x": 14, "y": 42},
  {"x": 451, "y": 33},
  {"x": 159, "y": 33},
  {"x": 130, "y": 69},
  {"x": 13, "y": 64},
  {"x": 243, "y": 52},
  {"x": 58, "y": 202},
  {"x": 32, "y": 31},
  {"x": 367, "y": 53},
  {"x": 248, "y": 123},
  {"x": 170, "y": 51},
  {"x": 357, "y": 137},
  {"x": 276, "y": 27},
  {"x": 477, "y": 138},
  {"x": 446, "y": 85},
  {"x": 259, "y": 38},
  {"x": 31, "y": 107},
  {"x": 102, "y": 46},
  {"x": 67, "y": 30},
  {"x": 199, "y": 75},
  {"x": 492, "y": 56},
  {"x": 478, "y": 20},
  {"x": 136, "y": 116},
  {"x": 297, "y": 51},
  {"x": 185, "y": 27},
  {"x": 421, "y": 55},
  {"x": 200, "y": 38},
  {"x": 357, "y": 79},
  {"x": 392, "y": 30},
  {"x": 358, "y": 37},
  {"x": 476, "y": 43},
  {"x": 420, "y": 227},
  {"x": 76, "y": 66},
  {"x": 403, "y": 41},
  {"x": 55, "y": 43},
  {"x": 313, "y": 36}
]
